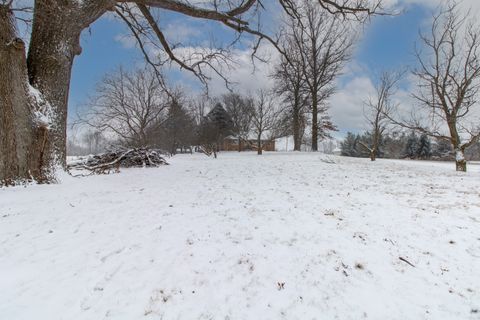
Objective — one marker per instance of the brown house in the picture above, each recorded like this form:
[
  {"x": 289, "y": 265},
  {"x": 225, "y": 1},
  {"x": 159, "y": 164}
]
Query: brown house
[{"x": 235, "y": 144}]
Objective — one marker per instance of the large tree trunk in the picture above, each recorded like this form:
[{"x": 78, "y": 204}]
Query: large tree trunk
[
  {"x": 259, "y": 146},
  {"x": 460, "y": 161},
  {"x": 373, "y": 151},
  {"x": 297, "y": 141},
  {"x": 34, "y": 91},
  {"x": 314, "y": 121},
  {"x": 53, "y": 46},
  {"x": 24, "y": 136}
]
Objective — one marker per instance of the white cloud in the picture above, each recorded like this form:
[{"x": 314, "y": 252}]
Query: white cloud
[
  {"x": 180, "y": 32},
  {"x": 245, "y": 77},
  {"x": 432, "y": 4},
  {"x": 347, "y": 104},
  {"x": 126, "y": 40}
]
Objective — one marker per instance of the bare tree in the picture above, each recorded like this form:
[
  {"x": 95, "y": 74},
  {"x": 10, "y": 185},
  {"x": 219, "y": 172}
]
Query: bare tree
[
  {"x": 266, "y": 116},
  {"x": 324, "y": 43},
  {"x": 240, "y": 110},
  {"x": 378, "y": 108},
  {"x": 290, "y": 85},
  {"x": 94, "y": 141},
  {"x": 200, "y": 106},
  {"x": 449, "y": 81},
  {"x": 128, "y": 104},
  {"x": 37, "y": 147}
]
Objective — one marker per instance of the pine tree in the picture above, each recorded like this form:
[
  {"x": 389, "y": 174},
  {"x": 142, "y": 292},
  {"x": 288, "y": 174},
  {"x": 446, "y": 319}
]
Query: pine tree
[
  {"x": 442, "y": 149},
  {"x": 394, "y": 145},
  {"x": 424, "y": 148},
  {"x": 179, "y": 127},
  {"x": 214, "y": 128},
  {"x": 412, "y": 146},
  {"x": 364, "y": 150},
  {"x": 221, "y": 120},
  {"x": 349, "y": 145}
]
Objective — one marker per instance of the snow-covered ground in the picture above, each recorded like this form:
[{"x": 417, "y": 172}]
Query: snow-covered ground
[{"x": 281, "y": 236}]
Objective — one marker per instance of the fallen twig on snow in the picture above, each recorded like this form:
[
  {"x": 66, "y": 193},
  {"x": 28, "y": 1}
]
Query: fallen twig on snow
[{"x": 406, "y": 261}]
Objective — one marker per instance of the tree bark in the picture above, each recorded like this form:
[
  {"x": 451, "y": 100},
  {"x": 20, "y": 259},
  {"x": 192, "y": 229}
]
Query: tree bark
[
  {"x": 461, "y": 166},
  {"x": 24, "y": 152},
  {"x": 376, "y": 142},
  {"x": 460, "y": 161},
  {"x": 259, "y": 146},
  {"x": 54, "y": 43},
  {"x": 314, "y": 121},
  {"x": 297, "y": 141}
]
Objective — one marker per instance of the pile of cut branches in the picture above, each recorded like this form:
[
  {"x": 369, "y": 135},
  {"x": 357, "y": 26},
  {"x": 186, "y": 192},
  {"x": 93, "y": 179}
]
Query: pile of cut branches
[{"x": 113, "y": 160}]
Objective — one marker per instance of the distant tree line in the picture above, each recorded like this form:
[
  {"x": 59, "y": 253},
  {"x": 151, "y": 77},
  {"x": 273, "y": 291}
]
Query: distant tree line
[
  {"x": 138, "y": 109},
  {"x": 131, "y": 109},
  {"x": 401, "y": 145}
]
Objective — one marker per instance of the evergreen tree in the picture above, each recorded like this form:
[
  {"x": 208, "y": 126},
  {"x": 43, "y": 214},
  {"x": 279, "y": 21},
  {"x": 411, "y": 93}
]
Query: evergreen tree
[
  {"x": 349, "y": 145},
  {"x": 366, "y": 140},
  {"x": 412, "y": 146},
  {"x": 394, "y": 145},
  {"x": 221, "y": 120},
  {"x": 424, "y": 149},
  {"x": 179, "y": 127},
  {"x": 215, "y": 127},
  {"x": 473, "y": 152},
  {"x": 442, "y": 149}
]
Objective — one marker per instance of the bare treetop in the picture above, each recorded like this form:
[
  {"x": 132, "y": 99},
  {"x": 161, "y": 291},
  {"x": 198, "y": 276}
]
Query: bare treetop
[
  {"x": 240, "y": 16},
  {"x": 378, "y": 109},
  {"x": 449, "y": 80},
  {"x": 127, "y": 104}
]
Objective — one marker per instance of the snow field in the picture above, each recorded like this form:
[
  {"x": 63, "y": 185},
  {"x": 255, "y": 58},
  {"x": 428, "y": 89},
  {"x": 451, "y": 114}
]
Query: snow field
[{"x": 281, "y": 236}]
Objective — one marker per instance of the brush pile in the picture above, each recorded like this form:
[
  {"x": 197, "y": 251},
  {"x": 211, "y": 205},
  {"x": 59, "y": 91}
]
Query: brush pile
[{"x": 118, "y": 158}]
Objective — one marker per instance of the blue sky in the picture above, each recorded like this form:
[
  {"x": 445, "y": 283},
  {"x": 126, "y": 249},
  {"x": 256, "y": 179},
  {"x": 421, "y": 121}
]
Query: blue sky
[
  {"x": 101, "y": 53},
  {"x": 387, "y": 43},
  {"x": 107, "y": 45}
]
